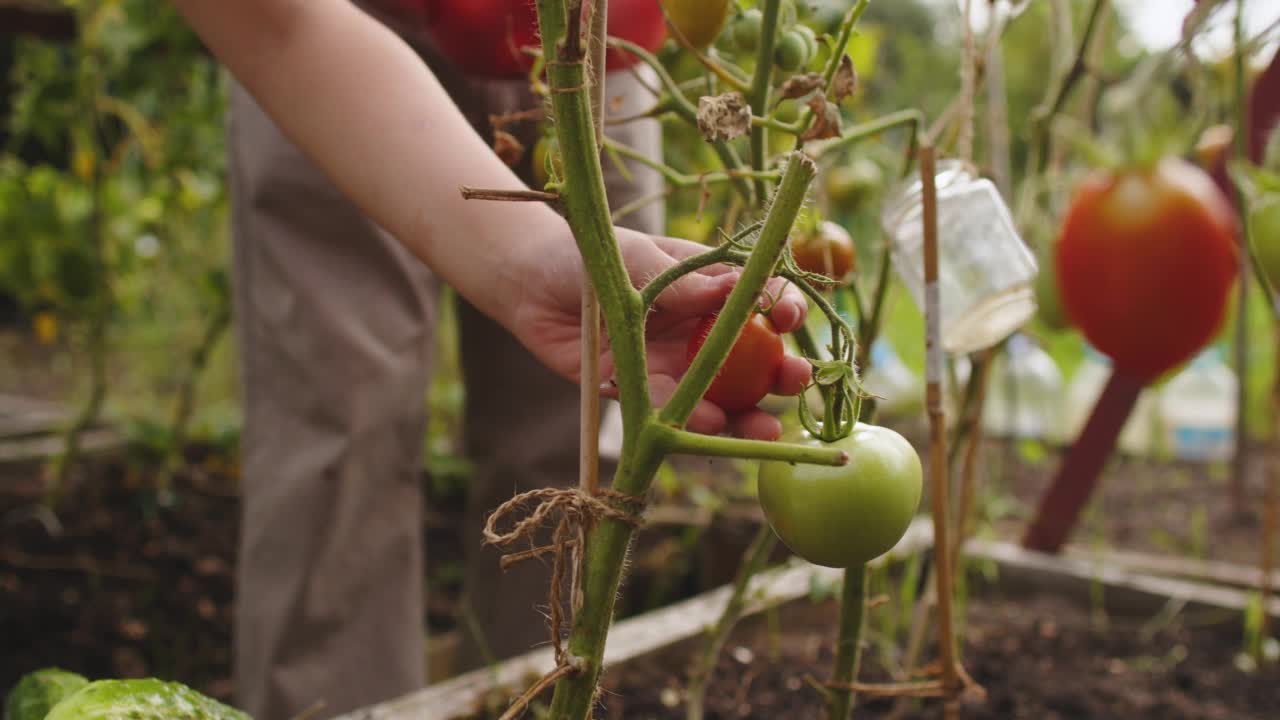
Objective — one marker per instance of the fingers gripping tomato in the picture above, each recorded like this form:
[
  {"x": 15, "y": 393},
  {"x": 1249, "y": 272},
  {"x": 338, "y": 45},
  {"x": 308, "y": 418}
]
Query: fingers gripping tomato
[
  {"x": 1146, "y": 262},
  {"x": 843, "y": 516},
  {"x": 751, "y": 369}
]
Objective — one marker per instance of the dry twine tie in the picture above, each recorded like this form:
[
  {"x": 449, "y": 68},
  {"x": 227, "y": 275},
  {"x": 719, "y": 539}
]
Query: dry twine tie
[{"x": 578, "y": 513}]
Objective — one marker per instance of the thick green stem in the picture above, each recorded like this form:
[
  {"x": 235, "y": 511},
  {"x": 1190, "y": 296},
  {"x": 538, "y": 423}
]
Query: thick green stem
[
  {"x": 587, "y": 210},
  {"x": 744, "y": 297},
  {"x": 853, "y": 612},
  {"x": 759, "y": 96},
  {"x": 684, "y": 442},
  {"x": 753, "y": 560},
  {"x": 585, "y": 203}
]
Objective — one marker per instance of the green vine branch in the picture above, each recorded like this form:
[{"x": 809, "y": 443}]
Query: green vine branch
[
  {"x": 685, "y": 110},
  {"x": 682, "y": 442},
  {"x": 685, "y": 180}
]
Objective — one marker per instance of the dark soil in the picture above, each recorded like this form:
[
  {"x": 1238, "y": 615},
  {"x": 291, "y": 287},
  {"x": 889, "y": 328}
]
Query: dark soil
[
  {"x": 1172, "y": 508},
  {"x": 1039, "y": 658},
  {"x": 128, "y": 587},
  {"x": 119, "y": 585}
]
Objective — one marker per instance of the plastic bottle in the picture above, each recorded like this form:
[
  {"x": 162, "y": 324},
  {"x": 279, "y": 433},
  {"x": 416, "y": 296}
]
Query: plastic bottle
[
  {"x": 1198, "y": 410},
  {"x": 897, "y": 388},
  {"x": 1024, "y": 393}
]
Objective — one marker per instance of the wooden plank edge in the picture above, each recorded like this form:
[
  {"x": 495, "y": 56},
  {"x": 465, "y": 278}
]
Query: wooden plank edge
[
  {"x": 629, "y": 639},
  {"x": 637, "y": 637}
]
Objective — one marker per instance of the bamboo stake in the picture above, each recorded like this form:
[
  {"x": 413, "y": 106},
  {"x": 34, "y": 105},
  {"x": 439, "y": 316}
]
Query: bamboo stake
[
  {"x": 938, "y": 470},
  {"x": 589, "y": 382}
]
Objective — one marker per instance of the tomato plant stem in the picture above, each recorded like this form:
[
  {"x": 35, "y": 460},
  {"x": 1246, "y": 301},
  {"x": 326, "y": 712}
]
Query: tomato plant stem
[
  {"x": 758, "y": 98},
  {"x": 755, "y": 557},
  {"x": 682, "y": 442},
  {"x": 683, "y": 180},
  {"x": 853, "y": 612},
  {"x": 837, "y": 54},
  {"x": 910, "y": 118},
  {"x": 964, "y": 503}
]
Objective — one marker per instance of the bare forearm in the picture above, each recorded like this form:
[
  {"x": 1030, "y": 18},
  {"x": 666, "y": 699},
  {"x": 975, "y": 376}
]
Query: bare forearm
[{"x": 363, "y": 106}]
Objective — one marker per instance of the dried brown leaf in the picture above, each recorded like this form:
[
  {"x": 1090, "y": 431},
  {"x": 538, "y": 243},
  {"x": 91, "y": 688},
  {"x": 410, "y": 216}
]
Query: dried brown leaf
[
  {"x": 723, "y": 117},
  {"x": 826, "y": 119},
  {"x": 797, "y": 86},
  {"x": 845, "y": 81},
  {"x": 507, "y": 147}
]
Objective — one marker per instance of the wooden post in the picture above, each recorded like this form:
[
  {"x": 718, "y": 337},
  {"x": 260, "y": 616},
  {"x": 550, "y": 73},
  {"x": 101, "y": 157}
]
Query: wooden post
[{"x": 1078, "y": 475}]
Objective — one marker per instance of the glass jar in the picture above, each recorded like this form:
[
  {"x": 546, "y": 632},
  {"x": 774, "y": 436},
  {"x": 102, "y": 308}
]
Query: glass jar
[{"x": 985, "y": 271}]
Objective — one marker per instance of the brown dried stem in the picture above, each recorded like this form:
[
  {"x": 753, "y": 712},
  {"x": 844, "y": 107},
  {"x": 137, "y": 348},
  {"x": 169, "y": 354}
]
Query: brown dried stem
[{"x": 470, "y": 193}]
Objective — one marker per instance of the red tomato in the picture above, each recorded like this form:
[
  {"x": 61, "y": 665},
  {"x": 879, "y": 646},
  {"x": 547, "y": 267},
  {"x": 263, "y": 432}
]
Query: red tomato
[
  {"x": 751, "y": 369},
  {"x": 486, "y": 37},
  {"x": 1146, "y": 263},
  {"x": 828, "y": 251}
]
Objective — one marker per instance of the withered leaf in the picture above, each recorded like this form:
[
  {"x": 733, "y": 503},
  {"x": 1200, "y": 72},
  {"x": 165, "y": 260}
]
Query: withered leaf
[
  {"x": 723, "y": 117},
  {"x": 507, "y": 147},
  {"x": 797, "y": 86},
  {"x": 845, "y": 81},
  {"x": 826, "y": 119}
]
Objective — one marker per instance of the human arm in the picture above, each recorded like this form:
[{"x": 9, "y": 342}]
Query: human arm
[{"x": 362, "y": 105}]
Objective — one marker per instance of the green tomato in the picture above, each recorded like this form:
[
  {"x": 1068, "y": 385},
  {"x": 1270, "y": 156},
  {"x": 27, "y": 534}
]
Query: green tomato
[
  {"x": 746, "y": 30},
  {"x": 844, "y": 516},
  {"x": 810, "y": 41},
  {"x": 792, "y": 52},
  {"x": 1264, "y": 233}
]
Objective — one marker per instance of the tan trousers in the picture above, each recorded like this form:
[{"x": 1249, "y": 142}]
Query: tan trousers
[{"x": 335, "y": 323}]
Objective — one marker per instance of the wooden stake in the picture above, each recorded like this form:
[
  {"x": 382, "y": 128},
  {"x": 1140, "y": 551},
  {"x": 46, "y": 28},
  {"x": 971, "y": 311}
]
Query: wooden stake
[
  {"x": 589, "y": 383},
  {"x": 938, "y": 487},
  {"x": 1060, "y": 506}
]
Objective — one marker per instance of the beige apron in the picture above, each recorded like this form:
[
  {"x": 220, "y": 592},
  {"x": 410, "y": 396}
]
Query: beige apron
[{"x": 335, "y": 322}]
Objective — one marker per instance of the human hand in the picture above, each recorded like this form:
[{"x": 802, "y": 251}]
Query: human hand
[{"x": 547, "y": 320}]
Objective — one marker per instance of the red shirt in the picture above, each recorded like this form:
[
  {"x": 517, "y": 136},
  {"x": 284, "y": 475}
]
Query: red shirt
[{"x": 485, "y": 37}]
